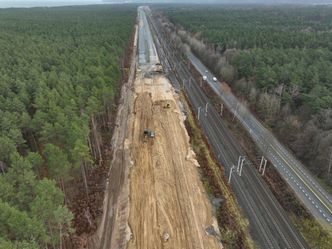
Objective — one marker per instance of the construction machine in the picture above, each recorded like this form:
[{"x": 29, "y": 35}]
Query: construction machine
[
  {"x": 167, "y": 106},
  {"x": 159, "y": 68},
  {"x": 148, "y": 133}
]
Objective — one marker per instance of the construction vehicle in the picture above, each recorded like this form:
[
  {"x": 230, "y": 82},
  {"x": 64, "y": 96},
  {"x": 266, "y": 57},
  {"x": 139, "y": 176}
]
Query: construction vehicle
[
  {"x": 148, "y": 133},
  {"x": 167, "y": 106},
  {"x": 159, "y": 68}
]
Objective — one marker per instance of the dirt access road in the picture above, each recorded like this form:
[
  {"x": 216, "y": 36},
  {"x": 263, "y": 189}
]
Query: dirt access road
[{"x": 167, "y": 197}]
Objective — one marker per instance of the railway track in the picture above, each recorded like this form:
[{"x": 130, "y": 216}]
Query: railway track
[{"x": 269, "y": 224}]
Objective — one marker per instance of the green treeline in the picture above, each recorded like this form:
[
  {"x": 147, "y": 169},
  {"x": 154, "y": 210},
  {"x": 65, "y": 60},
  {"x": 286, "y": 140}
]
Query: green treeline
[
  {"x": 260, "y": 27},
  {"x": 279, "y": 59},
  {"x": 59, "y": 72},
  {"x": 286, "y": 45}
]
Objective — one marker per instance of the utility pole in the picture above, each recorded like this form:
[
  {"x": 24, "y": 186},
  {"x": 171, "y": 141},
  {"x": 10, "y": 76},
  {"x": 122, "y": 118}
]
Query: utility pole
[
  {"x": 198, "y": 112},
  {"x": 240, "y": 165},
  {"x": 221, "y": 108},
  {"x": 262, "y": 165},
  {"x": 330, "y": 164},
  {"x": 235, "y": 112},
  {"x": 263, "y": 173},
  {"x": 230, "y": 174}
]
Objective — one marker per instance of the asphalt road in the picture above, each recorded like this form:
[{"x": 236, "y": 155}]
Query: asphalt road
[
  {"x": 269, "y": 224},
  {"x": 307, "y": 189}
]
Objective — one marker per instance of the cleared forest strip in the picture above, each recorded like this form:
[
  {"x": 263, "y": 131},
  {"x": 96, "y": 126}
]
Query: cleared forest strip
[{"x": 168, "y": 204}]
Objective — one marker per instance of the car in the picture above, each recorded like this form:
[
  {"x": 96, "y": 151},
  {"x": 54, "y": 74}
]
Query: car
[
  {"x": 214, "y": 79},
  {"x": 206, "y": 71},
  {"x": 204, "y": 77}
]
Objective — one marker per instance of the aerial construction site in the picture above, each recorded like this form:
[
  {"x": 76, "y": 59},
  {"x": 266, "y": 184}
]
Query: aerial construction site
[
  {"x": 175, "y": 126},
  {"x": 155, "y": 197},
  {"x": 168, "y": 205}
]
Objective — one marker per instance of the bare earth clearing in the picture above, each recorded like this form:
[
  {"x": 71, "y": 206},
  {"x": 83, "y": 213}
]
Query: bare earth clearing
[
  {"x": 154, "y": 198},
  {"x": 167, "y": 197}
]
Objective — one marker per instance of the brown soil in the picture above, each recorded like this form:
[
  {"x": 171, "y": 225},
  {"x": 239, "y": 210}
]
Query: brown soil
[
  {"x": 166, "y": 194},
  {"x": 225, "y": 87}
]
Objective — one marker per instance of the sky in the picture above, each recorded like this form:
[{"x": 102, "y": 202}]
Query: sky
[{"x": 34, "y": 3}]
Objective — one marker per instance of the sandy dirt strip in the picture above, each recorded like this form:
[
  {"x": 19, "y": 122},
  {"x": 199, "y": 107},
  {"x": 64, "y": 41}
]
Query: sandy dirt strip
[{"x": 168, "y": 205}]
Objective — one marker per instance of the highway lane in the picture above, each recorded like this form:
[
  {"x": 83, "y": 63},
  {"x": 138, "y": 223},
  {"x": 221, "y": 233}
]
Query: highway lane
[
  {"x": 307, "y": 189},
  {"x": 269, "y": 224}
]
